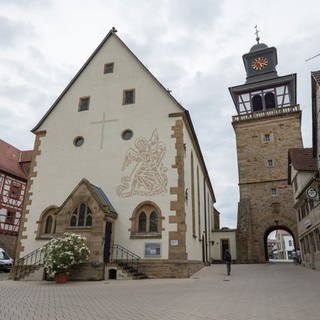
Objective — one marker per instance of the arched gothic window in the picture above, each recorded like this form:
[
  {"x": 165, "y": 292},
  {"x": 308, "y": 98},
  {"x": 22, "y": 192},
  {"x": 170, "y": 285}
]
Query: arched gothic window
[
  {"x": 81, "y": 216},
  {"x": 269, "y": 100},
  {"x": 48, "y": 225},
  {"x": 257, "y": 103},
  {"x": 153, "y": 222},
  {"x": 146, "y": 221},
  {"x": 142, "y": 227}
]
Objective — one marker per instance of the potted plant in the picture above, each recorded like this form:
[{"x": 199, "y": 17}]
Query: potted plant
[{"x": 62, "y": 254}]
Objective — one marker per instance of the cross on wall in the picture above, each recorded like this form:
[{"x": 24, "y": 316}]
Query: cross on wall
[{"x": 103, "y": 122}]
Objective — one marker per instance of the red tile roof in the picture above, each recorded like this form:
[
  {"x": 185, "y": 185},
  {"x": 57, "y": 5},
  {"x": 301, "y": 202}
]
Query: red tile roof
[
  {"x": 10, "y": 158},
  {"x": 302, "y": 159},
  {"x": 26, "y": 156}
]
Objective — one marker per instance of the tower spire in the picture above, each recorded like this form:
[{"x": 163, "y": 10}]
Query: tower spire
[{"x": 257, "y": 34}]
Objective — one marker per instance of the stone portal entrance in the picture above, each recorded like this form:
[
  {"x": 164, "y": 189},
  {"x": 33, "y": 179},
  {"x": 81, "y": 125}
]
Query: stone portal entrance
[{"x": 280, "y": 244}]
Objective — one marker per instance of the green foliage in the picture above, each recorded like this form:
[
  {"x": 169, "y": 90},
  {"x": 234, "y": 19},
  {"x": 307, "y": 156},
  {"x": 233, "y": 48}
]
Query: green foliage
[{"x": 61, "y": 254}]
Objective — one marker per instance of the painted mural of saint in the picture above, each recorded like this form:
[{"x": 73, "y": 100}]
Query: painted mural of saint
[{"x": 148, "y": 174}]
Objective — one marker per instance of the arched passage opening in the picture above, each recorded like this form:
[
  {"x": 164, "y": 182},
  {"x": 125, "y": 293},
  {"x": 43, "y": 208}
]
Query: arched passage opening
[{"x": 280, "y": 244}]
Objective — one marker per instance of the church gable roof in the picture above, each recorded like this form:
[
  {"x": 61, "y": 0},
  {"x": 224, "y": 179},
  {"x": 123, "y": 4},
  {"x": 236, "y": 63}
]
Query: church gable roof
[
  {"x": 111, "y": 33},
  {"x": 97, "y": 193}
]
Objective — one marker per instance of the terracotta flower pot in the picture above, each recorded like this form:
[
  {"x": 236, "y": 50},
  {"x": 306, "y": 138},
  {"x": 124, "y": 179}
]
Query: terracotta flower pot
[{"x": 61, "y": 277}]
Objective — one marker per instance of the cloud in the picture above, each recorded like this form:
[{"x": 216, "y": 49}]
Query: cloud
[{"x": 12, "y": 32}]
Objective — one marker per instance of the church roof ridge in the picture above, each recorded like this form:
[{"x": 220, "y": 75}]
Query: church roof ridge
[{"x": 112, "y": 32}]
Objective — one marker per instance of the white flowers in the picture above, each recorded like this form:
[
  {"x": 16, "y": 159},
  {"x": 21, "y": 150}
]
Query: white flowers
[{"x": 61, "y": 254}]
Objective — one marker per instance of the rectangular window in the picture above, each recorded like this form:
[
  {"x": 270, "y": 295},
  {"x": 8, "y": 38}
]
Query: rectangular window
[
  {"x": 15, "y": 192},
  {"x": 10, "y": 217},
  {"x": 108, "y": 68},
  {"x": 267, "y": 137},
  {"x": 274, "y": 191},
  {"x": 128, "y": 96},
  {"x": 84, "y": 103},
  {"x": 270, "y": 163}
]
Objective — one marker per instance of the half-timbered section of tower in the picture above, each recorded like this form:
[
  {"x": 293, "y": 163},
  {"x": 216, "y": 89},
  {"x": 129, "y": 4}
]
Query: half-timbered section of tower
[{"x": 267, "y": 124}]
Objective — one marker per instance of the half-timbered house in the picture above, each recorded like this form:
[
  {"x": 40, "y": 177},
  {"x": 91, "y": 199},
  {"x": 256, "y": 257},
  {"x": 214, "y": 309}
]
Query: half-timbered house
[{"x": 14, "y": 166}]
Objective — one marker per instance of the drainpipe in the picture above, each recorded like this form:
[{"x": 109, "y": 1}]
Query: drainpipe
[{"x": 205, "y": 220}]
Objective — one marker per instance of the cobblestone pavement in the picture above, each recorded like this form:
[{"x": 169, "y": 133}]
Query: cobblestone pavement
[
  {"x": 265, "y": 291},
  {"x": 3, "y": 275}
]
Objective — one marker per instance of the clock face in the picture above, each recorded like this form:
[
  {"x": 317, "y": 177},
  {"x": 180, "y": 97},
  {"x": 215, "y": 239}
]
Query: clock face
[
  {"x": 259, "y": 63},
  {"x": 312, "y": 192}
]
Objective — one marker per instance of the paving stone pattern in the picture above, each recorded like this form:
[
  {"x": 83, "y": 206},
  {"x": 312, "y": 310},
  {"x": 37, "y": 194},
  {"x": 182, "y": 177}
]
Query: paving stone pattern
[{"x": 252, "y": 292}]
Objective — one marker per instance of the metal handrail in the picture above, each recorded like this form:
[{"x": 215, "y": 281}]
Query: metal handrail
[
  {"x": 120, "y": 254},
  {"x": 33, "y": 258},
  {"x": 25, "y": 264}
]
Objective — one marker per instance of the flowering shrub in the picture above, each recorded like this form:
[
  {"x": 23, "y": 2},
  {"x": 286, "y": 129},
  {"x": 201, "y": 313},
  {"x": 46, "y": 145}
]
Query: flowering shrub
[{"x": 61, "y": 254}]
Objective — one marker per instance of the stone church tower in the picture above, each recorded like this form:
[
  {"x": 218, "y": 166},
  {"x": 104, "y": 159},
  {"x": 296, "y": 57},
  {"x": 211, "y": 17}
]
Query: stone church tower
[{"x": 267, "y": 124}]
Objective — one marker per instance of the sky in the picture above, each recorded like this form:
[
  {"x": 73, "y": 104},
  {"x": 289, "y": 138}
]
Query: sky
[{"x": 194, "y": 48}]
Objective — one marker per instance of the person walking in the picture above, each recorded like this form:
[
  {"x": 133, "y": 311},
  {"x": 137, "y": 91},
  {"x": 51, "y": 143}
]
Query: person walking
[{"x": 227, "y": 258}]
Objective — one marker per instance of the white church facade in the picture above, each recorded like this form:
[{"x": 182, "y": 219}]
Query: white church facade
[{"x": 116, "y": 159}]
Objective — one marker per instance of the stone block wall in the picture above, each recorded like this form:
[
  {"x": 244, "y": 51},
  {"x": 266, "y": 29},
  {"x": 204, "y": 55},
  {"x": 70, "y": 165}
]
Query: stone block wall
[
  {"x": 260, "y": 211},
  {"x": 170, "y": 269},
  {"x": 9, "y": 244}
]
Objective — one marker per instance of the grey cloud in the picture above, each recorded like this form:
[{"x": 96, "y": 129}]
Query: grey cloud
[
  {"x": 195, "y": 15},
  {"x": 12, "y": 32},
  {"x": 29, "y": 3}
]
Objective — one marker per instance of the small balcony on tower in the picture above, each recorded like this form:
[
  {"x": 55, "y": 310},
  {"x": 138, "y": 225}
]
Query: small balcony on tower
[
  {"x": 266, "y": 113},
  {"x": 268, "y": 98}
]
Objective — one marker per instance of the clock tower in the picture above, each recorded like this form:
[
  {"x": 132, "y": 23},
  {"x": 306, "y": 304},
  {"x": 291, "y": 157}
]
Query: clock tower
[{"x": 267, "y": 124}]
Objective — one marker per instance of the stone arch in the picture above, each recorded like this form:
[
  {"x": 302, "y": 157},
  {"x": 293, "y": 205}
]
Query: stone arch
[
  {"x": 273, "y": 228},
  {"x": 148, "y": 208},
  {"x": 50, "y": 211}
]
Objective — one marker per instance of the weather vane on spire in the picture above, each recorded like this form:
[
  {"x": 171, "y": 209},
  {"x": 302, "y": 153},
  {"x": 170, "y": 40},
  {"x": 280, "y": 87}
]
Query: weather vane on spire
[{"x": 257, "y": 34}]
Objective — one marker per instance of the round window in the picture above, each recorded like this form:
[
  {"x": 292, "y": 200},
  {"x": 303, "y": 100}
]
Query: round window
[
  {"x": 127, "y": 134},
  {"x": 78, "y": 141}
]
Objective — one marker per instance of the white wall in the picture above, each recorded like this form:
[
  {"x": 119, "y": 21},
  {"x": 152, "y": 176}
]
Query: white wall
[
  {"x": 60, "y": 158},
  {"x": 217, "y": 236}
]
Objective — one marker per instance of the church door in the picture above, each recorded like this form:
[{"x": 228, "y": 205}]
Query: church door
[{"x": 107, "y": 241}]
